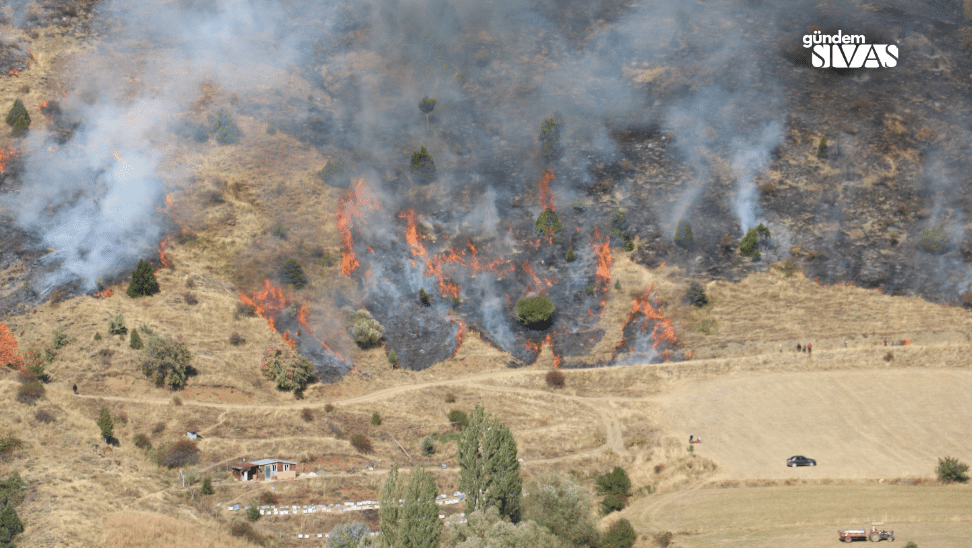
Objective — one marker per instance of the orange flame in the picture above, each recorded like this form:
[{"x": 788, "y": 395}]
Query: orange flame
[
  {"x": 7, "y": 154},
  {"x": 546, "y": 195},
  {"x": 411, "y": 233},
  {"x": 662, "y": 332},
  {"x": 106, "y": 293},
  {"x": 268, "y": 303},
  {"x": 462, "y": 329},
  {"x": 661, "y": 266},
  {"x": 163, "y": 262},
  {"x": 907, "y": 341},
  {"x": 358, "y": 196},
  {"x": 602, "y": 248},
  {"x": 9, "y": 351},
  {"x": 537, "y": 286}
]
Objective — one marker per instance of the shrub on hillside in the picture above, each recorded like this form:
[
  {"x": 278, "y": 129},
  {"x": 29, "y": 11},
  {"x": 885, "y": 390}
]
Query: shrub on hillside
[
  {"x": 366, "y": 330},
  {"x": 564, "y": 507},
  {"x": 349, "y": 535},
  {"x": 268, "y": 498},
  {"x": 190, "y": 298},
  {"x": 619, "y": 535},
  {"x": 289, "y": 370},
  {"x": 423, "y": 166},
  {"x": 428, "y": 446},
  {"x": 555, "y": 379},
  {"x": 393, "y": 357},
  {"x": 223, "y": 128},
  {"x": 252, "y": 513},
  {"x": 142, "y": 441},
  {"x": 952, "y": 470},
  {"x": 9, "y": 443},
  {"x": 683, "y": 235},
  {"x": 535, "y": 312},
  {"x": 292, "y": 273},
  {"x": 749, "y": 245},
  {"x": 424, "y": 297},
  {"x": 236, "y": 339},
  {"x": 18, "y": 118},
  {"x": 307, "y": 415},
  {"x": 30, "y": 392},
  {"x": 615, "y": 486},
  {"x": 116, "y": 325},
  {"x": 664, "y": 539},
  {"x": 135, "y": 341},
  {"x": 167, "y": 362},
  {"x": 548, "y": 224},
  {"x": 619, "y": 225},
  {"x": 933, "y": 240},
  {"x": 245, "y": 310},
  {"x": 44, "y": 416},
  {"x": 143, "y": 282},
  {"x": 458, "y": 418},
  {"x": 376, "y": 418},
  {"x": 207, "y": 487},
  {"x": 333, "y": 174},
  {"x": 181, "y": 453},
  {"x": 695, "y": 295},
  {"x": 361, "y": 443}
]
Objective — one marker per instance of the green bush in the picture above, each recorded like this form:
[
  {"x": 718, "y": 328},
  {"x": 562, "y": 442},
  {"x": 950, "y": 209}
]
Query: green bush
[
  {"x": 278, "y": 231},
  {"x": 535, "y": 311},
  {"x": 167, "y": 362},
  {"x": 695, "y": 295},
  {"x": 423, "y": 166},
  {"x": 748, "y": 247},
  {"x": 952, "y": 470},
  {"x": 289, "y": 370},
  {"x": 617, "y": 285},
  {"x": 578, "y": 206},
  {"x": 565, "y": 508},
  {"x": 142, "y": 441},
  {"x": 548, "y": 224},
  {"x": 105, "y": 423},
  {"x": 458, "y": 418},
  {"x": 424, "y": 298},
  {"x": 611, "y": 503},
  {"x": 663, "y": 539},
  {"x": 426, "y": 105},
  {"x": 933, "y": 240},
  {"x": 135, "y": 341},
  {"x": 683, "y": 235},
  {"x": 620, "y": 226},
  {"x": 367, "y": 332},
  {"x": 348, "y": 535},
  {"x": 570, "y": 254},
  {"x": 61, "y": 338},
  {"x": 376, "y": 418},
  {"x": 392, "y": 357},
  {"x": 549, "y": 137},
  {"x": 911, "y": 544},
  {"x": 143, "y": 282},
  {"x": 620, "y": 535},
  {"x": 223, "y": 128},
  {"x": 333, "y": 174},
  {"x": 207, "y": 487},
  {"x": 428, "y": 446},
  {"x": 293, "y": 274},
  {"x": 252, "y": 514},
  {"x": 615, "y": 486},
  {"x": 822, "y": 148},
  {"x": 18, "y": 118},
  {"x": 361, "y": 443}
]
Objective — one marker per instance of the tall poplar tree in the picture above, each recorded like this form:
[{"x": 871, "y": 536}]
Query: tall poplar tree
[
  {"x": 489, "y": 472},
  {"x": 408, "y": 512}
]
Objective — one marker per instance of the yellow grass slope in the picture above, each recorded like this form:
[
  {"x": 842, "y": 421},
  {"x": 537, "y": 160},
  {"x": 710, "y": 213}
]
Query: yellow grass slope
[{"x": 149, "y": 530}]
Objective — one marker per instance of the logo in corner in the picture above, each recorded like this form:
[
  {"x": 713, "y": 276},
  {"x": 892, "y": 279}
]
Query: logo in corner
[{"x": 849, "y": 51}]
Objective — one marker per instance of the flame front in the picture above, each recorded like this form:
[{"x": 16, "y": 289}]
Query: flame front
[
  {"x": 9, "y": 351},
  {"x": 602, "y": 249},
  {"x": 109, "y": 292},
  {"x": 662, "y": 330},
  {"x": 359, "y": 196},
  {"x": 411, "y": 232},
  {"x": 7, "y": 154},
  {"x": 546, "y": 195},
  {"x": 268, "y": 303}
]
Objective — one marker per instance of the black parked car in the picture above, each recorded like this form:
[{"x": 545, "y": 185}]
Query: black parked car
[{"x": 800, "y": 461}]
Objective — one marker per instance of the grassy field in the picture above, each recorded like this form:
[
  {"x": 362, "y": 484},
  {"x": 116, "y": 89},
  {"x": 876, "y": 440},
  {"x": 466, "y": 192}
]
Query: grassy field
[{"x": 806, "y": 515}]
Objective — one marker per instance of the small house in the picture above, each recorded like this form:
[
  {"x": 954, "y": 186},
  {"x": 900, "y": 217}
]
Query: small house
[{"x": 278, "y": 469}]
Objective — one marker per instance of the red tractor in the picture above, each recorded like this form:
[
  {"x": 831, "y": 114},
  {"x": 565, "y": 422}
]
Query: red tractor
[{"x": 874, "y": 535}]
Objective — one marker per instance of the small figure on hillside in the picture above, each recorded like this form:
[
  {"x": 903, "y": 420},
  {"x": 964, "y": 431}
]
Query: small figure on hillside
[
  {"x": 799, "y": 348},
  {"x": 809, "y": 348},
  {"x": 691, "y": 438},
  {"x": 698, "y": 439},
  {"x": 781, "y": 349},
  {"x": 885, "y": 342},
  {"x": 75, "y": 387},
  {"x": 845, "y": 344}
]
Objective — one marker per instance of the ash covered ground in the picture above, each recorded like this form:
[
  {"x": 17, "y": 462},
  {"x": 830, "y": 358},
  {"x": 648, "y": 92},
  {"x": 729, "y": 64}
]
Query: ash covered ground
[{"x": 708, "y": 113}]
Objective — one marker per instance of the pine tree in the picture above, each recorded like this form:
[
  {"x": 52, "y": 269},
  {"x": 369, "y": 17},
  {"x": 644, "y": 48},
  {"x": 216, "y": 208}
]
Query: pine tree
[
  {"x": 106, "y": 424},
  {"x": 293, "y": 274},
  {"x": 420, "y": 525},
  {"x": 683, "y": 234},
  {"x": 427, "y": 105},
  {"x": 424, "y": 298},
  {"x": 550, "y": 138},
  {"x": 135, "y": 341},
  {"x": 207, "y": 487},
  {"x": 143, "y": 281},
  {"x": 18, "y": 117},
  {"x": 10, "y": 521},
  {"x": 489, "y": 472},
  {"x": 570, "y": 254}
]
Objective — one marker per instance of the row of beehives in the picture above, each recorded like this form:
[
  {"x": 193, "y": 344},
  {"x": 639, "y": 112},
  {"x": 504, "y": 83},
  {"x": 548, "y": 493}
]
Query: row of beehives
[
  {"x": 269, "y": 510},
  {"x": 308, "y": 536}
]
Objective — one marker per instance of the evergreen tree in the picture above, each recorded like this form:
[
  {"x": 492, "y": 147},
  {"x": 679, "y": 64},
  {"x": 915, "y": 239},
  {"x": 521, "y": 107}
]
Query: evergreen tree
[
  {"x": 135, "y": 341},
  {"x": 10, "y": 521},
  {"x": 563, "y": 507},
  {"x": 207, "y": 487},
  {"x": 424, "y": 298},
  {"x": 620, "y": 535},
  {"x": 293, "y": 274},
  {"x": 223, "y": 127},
  {"x": 105, "y": 423},
  {"x": 420, "y": 525},
  {"x": 423, "y": 166},
  {"x": 570, "y": 254},
  {"x": 549, "y": 224},
  {"x": 143, "y": 281},
  {"x": 18, "y": 117},
  {"x": 489, "y": 472},
  {"x": 348, "y": 535}
]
